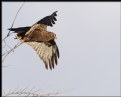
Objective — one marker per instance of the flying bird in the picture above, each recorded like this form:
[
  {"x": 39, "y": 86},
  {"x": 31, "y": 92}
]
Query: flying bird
[{"x": 41, "y": 40}]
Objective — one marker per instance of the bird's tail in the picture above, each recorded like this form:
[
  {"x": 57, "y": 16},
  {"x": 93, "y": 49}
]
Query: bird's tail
[{"x": 20, "y": 29}]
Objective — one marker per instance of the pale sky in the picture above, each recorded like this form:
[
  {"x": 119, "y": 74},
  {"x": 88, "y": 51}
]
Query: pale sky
[{"x": 88, "y": 37}]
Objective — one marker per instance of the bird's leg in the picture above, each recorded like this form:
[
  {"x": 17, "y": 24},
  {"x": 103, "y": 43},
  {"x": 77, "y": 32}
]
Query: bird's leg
[{"x": 48, "y": 43}]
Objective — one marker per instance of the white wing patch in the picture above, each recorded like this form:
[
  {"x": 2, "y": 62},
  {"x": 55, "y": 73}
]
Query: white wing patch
[{"x": 47, "y": 54}]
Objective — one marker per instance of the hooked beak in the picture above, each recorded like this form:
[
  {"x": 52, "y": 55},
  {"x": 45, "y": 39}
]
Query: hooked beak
[{"x": 55, "y": 37}]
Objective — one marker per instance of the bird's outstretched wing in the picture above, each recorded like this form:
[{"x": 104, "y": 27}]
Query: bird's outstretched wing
[
  {"x": 48, "y": 53},
  {"x": 48, "y": 20}
]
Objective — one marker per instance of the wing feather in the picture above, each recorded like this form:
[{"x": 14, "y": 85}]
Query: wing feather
[
  {"x": 48, "y": 20},
  {"x": 47, "y": 53}
]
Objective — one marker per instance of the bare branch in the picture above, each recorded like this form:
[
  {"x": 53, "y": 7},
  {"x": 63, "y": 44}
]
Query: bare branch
[
  {"x": 5, "y": 54},
  {"x": 14, "y": 21},
  {"x": 25, "y": 92}
]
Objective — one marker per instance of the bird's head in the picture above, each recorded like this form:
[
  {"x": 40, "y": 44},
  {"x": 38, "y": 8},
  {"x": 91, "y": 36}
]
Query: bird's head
[
  {"x": 55, "y": 37},
  {"x": 52, "y": 35}
]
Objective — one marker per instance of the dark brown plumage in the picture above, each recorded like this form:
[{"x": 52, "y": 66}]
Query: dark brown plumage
[{"x": 41, "y": 40}]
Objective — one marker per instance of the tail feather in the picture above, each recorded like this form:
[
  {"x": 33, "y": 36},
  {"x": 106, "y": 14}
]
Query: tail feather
[{"x": 20, "y": 29}]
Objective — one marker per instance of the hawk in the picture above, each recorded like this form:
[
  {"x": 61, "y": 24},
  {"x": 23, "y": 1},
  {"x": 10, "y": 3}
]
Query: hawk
[{"x": 41, "y": 40}]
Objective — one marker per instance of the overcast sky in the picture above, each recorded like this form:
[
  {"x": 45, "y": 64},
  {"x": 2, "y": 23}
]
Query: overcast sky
[{"x": 88, "y": 37}]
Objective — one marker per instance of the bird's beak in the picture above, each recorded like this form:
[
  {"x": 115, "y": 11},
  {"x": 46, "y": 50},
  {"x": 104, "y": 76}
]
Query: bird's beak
[{"x": 55, "y": 37}]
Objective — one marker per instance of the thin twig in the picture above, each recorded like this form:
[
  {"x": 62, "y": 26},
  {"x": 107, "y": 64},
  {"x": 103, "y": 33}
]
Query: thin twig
[
  {"x": 24, "y": 92},
  {"x": 17, "y": 45},
  {"x": 11, "y": 49},
  {"x": 4, "y": 55},
  {"x": 15, "y": 17},
  {"x": 14, "y": 21}
]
